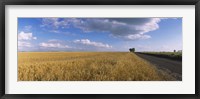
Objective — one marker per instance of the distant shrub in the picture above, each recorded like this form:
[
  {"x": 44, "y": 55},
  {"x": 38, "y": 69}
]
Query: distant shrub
[{"x": 132, "y": 49}]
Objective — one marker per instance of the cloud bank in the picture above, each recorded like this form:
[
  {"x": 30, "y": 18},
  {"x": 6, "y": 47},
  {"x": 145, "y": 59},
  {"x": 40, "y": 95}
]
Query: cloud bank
[{"x": 124, "y": 28}]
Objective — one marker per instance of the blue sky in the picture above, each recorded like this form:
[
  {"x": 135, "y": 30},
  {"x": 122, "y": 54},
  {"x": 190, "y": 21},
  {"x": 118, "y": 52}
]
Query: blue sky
[{"x": 99, "y": 34}]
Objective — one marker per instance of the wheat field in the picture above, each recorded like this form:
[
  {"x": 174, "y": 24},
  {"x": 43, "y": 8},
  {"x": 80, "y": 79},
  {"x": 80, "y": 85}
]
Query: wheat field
[{"x": 86, "y": 66}]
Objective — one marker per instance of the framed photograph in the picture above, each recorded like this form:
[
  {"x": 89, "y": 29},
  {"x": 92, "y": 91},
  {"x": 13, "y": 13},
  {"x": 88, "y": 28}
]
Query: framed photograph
[{"x": 100, "y": 49}]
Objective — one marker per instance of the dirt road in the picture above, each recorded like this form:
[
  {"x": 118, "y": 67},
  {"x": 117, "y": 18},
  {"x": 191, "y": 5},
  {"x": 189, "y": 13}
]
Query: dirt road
[{"x": 173, "y": 67}]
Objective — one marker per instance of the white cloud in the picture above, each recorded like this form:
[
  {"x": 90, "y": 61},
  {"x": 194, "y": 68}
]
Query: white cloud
[
  {"x": 27, "y": 28},
  {"x": 90, "y": 43},
  {"x": 53, "y": 45},
  {"x": 54, "y": 40},
  {"x": 24, "y": 40},
  {"x": 26, "y": 36},
  {"x": 53, "y": 23},
  {"x": 24, "y": 44},
  {"x": 54, "y": 31},
  {"x": 34, "y": 38},
  {"x": 137, "y": 36}
]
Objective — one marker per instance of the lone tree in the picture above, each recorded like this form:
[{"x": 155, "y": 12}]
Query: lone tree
[{"x": 132, "y": 49}]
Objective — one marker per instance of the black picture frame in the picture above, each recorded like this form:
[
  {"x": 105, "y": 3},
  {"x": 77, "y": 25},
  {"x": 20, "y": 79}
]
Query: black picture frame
[{"x": 99, "y": 2}]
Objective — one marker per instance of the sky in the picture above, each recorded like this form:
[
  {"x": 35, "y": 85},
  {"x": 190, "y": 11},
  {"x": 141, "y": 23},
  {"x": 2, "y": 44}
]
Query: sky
[{"x": 99, "y": 34}]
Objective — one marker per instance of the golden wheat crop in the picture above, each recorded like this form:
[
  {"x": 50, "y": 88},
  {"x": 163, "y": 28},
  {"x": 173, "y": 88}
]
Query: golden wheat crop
[{"x": 86, "y": 66}]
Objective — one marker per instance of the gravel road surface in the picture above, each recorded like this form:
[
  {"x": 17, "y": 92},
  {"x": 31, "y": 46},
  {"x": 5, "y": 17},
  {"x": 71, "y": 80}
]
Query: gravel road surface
[{"x": 171, "y": 66}]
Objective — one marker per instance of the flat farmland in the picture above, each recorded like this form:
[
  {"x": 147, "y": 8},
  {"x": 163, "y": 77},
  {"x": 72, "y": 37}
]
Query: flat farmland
[{"x": 87, "y": 66}]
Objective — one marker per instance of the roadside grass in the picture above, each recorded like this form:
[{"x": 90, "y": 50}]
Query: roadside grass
[{"x": 171, "y": 55}]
